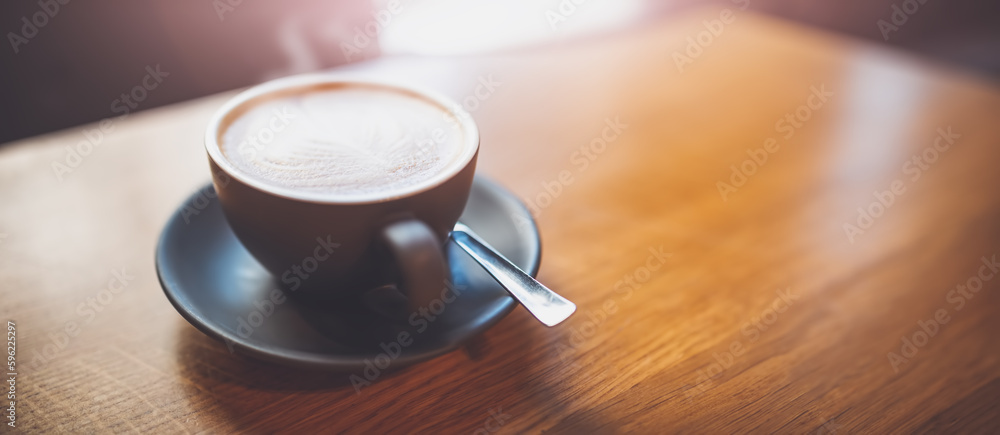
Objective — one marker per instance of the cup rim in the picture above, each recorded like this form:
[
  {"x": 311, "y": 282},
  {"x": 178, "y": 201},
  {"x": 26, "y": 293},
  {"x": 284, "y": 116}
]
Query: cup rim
[{"x": 212, "y": 146}]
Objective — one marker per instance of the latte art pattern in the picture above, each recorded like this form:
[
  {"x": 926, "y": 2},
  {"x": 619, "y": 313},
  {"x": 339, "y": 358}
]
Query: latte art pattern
[{"x": 345, "y": 140}]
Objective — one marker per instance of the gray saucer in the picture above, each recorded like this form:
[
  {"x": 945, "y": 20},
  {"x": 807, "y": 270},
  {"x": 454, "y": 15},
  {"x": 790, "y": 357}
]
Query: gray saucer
[{"x": 215, "y": 284}]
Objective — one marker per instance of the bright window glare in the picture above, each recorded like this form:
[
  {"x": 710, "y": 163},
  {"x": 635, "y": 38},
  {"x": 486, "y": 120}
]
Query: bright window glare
[{"x": 447, "y": 27}]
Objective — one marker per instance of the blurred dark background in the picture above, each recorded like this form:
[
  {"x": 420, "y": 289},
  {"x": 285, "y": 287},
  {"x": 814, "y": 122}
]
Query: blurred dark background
[{"x": 68, "y": 66}]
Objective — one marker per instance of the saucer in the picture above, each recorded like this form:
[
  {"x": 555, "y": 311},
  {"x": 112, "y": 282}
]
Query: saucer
[{"x": 216, "y": 285}]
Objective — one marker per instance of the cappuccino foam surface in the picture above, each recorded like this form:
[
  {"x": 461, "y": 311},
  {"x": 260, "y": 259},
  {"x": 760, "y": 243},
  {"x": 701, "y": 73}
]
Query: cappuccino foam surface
[{"x": 342, "y": 139}]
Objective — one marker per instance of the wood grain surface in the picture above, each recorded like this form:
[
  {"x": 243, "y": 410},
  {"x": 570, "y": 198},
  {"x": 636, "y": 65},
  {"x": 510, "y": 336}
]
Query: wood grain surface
[{"x": 703, "y": 308}]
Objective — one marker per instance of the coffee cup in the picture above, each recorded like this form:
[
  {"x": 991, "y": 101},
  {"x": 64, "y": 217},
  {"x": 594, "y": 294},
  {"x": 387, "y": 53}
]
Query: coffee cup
[{"x": 329, "y": 181}]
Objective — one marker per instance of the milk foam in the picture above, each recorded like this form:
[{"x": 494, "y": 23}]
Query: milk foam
[{"x": 347, "y": 140}]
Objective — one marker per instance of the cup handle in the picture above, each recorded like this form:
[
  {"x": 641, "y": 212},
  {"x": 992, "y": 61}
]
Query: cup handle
[{"x": 419, "y": 257}]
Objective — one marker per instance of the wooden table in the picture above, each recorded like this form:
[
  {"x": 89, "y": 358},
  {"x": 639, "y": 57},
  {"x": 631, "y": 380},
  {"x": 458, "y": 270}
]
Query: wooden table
[{"x": 753, "y": 306}]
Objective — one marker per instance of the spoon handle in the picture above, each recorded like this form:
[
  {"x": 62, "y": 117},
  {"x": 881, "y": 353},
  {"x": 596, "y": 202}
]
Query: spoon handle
[{"x": 547, "y": 306}]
